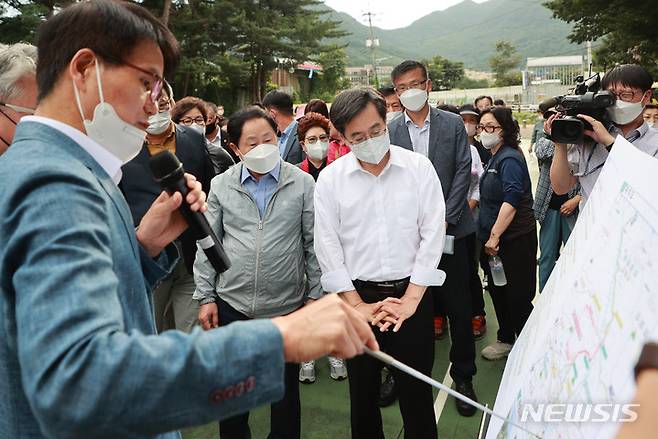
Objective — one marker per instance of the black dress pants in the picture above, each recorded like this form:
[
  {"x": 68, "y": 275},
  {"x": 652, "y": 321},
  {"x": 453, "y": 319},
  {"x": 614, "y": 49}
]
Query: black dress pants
[
  {"x": 454, "y": 299},
  {"x": 285, "y": 415},
  {"x": 513, "y": 302},
  {"x": 413, "y": 344},
  {"x": 474, "y": 282}
]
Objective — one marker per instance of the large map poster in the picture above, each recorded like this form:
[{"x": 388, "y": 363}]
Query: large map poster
[{"x": 599, "y": 307}]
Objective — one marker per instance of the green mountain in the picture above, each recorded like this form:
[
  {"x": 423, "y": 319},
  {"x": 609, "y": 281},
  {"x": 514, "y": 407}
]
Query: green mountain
[{"x": 465, "y": 32}]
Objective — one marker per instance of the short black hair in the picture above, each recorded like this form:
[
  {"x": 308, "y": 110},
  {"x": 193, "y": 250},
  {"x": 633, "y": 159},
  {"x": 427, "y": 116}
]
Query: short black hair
[
  {"x": 111, "y": 28},
  {"x": 629, "y": 75},
  {"x": 350, "y": 103},
  {"x": 503, "y": 115},
  {"x": 317, "y": 106},
  {"x": 386, "y": 91},
  {"x": 479, "y": 98},
  {"x": 449, "y": 108},
  {"x": 278, "y": 100},
  {"x": 406, "y": 66},
  {"x": 237, "y": 121},
  {"x": 499, "y": 102}
]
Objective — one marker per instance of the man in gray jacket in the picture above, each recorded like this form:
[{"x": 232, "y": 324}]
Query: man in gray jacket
[
  {"x": 262, "y": 210},
  {"x": 440, "y": 136}
]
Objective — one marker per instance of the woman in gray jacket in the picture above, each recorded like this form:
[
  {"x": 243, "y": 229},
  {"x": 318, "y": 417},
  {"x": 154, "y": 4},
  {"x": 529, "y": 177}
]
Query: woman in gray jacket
[{"x": 262, "y": 210}]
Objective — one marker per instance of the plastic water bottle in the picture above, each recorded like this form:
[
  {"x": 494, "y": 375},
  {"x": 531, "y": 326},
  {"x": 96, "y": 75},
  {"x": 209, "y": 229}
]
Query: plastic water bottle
[{"x": 497, "y": 271}]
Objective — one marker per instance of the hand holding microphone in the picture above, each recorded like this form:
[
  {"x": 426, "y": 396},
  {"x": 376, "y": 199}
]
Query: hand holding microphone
[{"x": 161, "y": 225}]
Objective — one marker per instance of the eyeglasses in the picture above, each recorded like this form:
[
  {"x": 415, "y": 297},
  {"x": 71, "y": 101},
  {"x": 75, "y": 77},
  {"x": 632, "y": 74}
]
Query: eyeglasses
[
  {"x": 488, "y": 128},
  {"x": 362, "y": 138},
  {"x": 155, "y": 88},
  {"x": 404, "y": 87},
  {"x": 164, "y": 104},
  {"x": 18, "y": 108},
  {"x": 313, "y": 139},
  {"x": 626, "y": 96},
  {"x": 188, "y": 121}
]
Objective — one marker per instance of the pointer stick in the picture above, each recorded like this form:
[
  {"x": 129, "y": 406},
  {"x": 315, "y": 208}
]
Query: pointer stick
[{"x": 387, "y": 359}]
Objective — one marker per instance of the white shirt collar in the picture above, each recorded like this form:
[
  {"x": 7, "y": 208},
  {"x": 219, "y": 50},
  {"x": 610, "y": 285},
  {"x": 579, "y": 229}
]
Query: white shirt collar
[
  {"x": 108, "y": 162},
  {"x": 217, "y": 140},
  {"x": 407, "y": 119}
]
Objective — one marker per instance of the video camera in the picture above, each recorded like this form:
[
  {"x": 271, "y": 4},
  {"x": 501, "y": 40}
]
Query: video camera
[{"x": 587, "y": 99}]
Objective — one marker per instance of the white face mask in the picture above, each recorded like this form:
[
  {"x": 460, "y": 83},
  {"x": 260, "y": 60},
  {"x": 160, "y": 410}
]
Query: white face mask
[
  {"x": 625, "y": 112},
  {"x": 391, "y": 115},
  {"x": 201, "y": 129},
  {"x": 651, "y": 124},
  {"x": 317, "y": 150},
  {"x": 413, "y": 99},
  {"x": 158, "y": 123},
  {"x": 470, "y": 129},
  {"x": 120, "y": 138},
  {"x": 262, "y": 158},
  {"x": 372, "y": 150},
  {"x": 489, "y": 140}
]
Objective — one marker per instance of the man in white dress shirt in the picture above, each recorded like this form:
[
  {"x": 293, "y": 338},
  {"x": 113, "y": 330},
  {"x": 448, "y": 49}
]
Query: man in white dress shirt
[{"x": 379, "y": 231}]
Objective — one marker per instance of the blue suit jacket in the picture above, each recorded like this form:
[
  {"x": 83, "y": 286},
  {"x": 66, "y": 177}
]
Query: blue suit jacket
[{"x": 78, "y": 352}]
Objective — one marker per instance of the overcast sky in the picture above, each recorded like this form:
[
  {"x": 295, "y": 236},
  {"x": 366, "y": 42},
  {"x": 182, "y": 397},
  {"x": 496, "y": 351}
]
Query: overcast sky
[{"x": 391, "y": 14}]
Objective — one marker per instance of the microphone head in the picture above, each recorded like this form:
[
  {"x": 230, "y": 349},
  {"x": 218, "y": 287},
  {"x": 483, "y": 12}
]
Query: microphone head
[{"x": 165, "y": 165}]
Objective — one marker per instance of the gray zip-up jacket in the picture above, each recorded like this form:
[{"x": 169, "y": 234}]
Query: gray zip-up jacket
[{"x": 273, "y": 265}]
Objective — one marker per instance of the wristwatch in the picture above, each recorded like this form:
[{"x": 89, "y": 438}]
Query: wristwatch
[{"x": 648, "y": 359}]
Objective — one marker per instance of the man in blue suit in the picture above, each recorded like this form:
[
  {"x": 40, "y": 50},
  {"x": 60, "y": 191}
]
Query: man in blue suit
[{"x": 79, "y": 356}]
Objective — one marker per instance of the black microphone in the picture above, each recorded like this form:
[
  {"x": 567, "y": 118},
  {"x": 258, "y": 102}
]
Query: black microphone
[{"x": 169, "y": 172}]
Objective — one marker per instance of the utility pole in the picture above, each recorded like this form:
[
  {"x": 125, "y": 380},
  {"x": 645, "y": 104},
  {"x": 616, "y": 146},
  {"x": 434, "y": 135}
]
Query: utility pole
[
  {"x": 372, "y": 44},
  {"x": 589, "y": 57}
]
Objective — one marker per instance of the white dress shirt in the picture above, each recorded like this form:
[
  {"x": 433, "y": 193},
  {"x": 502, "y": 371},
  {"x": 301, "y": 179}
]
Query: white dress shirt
[
  {"x": 379, "y": 228},
  {"x": 476, "y": 172},
  {"x": 109, "y": 163},
  {"x": 420, "y": 136}
]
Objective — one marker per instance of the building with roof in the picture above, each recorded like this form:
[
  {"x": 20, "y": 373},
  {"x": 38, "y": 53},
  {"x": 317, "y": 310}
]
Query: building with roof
[{"x": 555, "y": 69}]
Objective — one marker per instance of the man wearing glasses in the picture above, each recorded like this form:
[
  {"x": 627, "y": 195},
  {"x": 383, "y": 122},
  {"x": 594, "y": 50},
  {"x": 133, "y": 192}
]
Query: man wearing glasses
[
  {"x": 172, "y": 299},
  {"x": 18, "y": 88},
  {"x": 79, "y": 354},
  {"x": 379, "y": 233},
  {"x": 441, "y": 136},
  {"x": 631, "y": 85}
]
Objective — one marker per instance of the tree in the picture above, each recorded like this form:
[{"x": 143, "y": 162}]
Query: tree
[
  {"x": 626, "y": 27},
  {"x": 504, "y": 64},
  {"x": 333, "y": 61},
  {"x": 445, "y": 74},
  {"x": 468, "y": 83}
]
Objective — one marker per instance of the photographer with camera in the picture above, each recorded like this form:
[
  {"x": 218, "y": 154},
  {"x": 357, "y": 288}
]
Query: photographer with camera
[{"x": 630, "y": 84}]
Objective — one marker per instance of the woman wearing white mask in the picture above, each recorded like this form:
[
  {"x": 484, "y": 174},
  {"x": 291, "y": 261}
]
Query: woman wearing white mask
[
  {"x": 313, "y": 134},
  {"x": 190, "y": 112},
  {"x": 262, "y": 210},
  {"x": 507, "y": 226}
]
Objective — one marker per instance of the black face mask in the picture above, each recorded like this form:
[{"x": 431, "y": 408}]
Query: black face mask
[{"x": 211, "y": 127}]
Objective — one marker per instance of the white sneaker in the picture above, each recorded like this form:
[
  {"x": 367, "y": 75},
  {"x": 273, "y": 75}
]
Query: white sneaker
[
  {"x": 337, "y": 368},
  {"x": 496, "y": 351},
  {"x": 307, "y": 372}
]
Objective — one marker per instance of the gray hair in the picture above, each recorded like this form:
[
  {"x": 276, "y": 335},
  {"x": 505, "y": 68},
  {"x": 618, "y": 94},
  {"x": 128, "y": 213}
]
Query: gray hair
[
  {"x": 350, "y": 103},
  {"x": 16, "y": 61}
]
